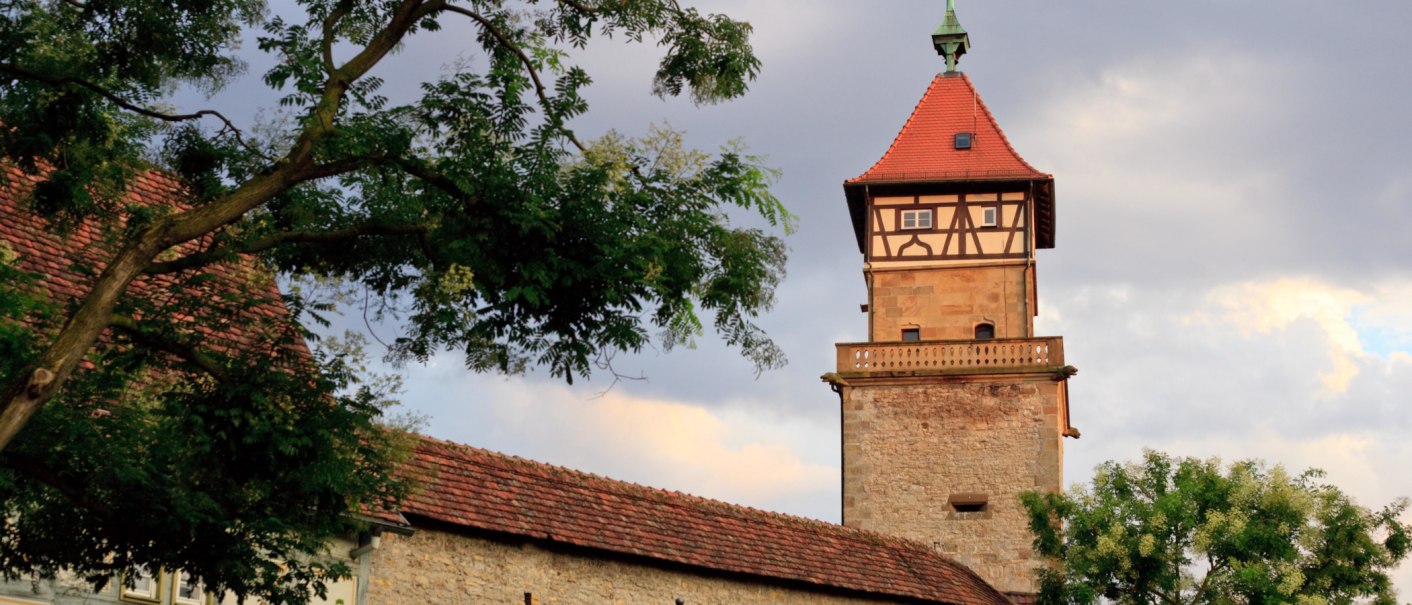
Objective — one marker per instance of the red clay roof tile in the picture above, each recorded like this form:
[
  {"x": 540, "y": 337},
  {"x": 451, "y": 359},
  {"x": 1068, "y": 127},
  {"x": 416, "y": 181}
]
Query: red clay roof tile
[
  {"x": 482, "y": 490},
  {"x": 924, "y": 150},
  {"x": 67, "y": 263}
]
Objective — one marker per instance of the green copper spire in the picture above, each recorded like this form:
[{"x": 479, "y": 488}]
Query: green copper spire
[{"x": 950, "y": 39}]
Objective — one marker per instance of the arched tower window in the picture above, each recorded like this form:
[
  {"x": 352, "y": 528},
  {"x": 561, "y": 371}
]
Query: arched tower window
[{"x": 985, "y": 330}]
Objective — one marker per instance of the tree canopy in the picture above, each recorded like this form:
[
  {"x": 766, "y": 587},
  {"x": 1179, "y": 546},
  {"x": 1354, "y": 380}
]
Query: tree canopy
[
  {"x": 1184, "y": 530},
  {"x": 161, "y": 411}
]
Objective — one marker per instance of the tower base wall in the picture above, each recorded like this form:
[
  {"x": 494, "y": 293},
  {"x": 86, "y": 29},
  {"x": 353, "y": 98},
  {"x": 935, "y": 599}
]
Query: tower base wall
[{"x": 922, "y": 453}]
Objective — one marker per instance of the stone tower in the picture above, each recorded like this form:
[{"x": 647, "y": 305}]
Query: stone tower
[{"x": 953, "y": 407}]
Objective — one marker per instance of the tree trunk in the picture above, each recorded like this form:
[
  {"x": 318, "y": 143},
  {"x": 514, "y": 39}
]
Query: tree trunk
[{"x": 29, "y": 391}]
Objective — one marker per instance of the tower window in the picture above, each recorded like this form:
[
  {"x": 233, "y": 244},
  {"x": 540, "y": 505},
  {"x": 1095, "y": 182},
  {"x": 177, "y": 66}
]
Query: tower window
[
  {"x": 963, "y": 140},
  {"x": 911, "y": 334},
  {"x": 990, "y": 216},
  {"x": 917, "y": 219},
  {"x": 985, "y": 331}
]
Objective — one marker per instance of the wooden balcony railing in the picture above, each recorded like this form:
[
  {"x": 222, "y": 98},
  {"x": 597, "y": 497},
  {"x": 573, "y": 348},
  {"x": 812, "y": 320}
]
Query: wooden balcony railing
[{"x": 952, "y": 355}]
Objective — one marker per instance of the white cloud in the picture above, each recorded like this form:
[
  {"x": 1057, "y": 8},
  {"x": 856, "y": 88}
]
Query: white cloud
[
  {"x": 736, "y": 453},
  {"x": 1266, "y": 307},
  {"x": 1347, "y": 317}
]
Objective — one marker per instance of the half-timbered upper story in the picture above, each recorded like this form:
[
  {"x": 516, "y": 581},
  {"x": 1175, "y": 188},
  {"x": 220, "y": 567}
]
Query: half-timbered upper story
[{"x": 990, "y": 224}]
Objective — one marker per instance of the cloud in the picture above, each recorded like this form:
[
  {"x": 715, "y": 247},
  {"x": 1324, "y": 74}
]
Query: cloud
[
  {"x": 1353, "y": 321},
  {"x": 1267, "y": 307},
  {"x": 1170, "y": 164},
  {"x": 1163, "y": 116},
  {"x": 736, "y": 453}
]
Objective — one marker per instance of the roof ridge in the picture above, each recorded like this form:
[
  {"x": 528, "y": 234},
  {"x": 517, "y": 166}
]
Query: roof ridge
[
  {"x": 648, "y": 489},
  {"x": 756, "y": 514},
  {"x": 1001, "y": 131},
  {"x": 911, "y": 116}
]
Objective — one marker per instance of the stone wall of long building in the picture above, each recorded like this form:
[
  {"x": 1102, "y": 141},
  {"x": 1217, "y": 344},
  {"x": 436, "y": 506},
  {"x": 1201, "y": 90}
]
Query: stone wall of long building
[
  {"x": 919, "y": 451},
  {"x": 162, "y": 588},
  {"x": 443, "y": 567}
]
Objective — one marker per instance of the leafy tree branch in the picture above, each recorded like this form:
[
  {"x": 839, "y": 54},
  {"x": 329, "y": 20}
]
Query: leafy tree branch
[
  {"x": 511, "y": 46},
  {"x": 20, "y": 72},
  {"x": 36, "y": 471},
  {"x": 183, "y": 350},
  {"x": 468, "y": 203},
  {"x": 274, "y": 240}
]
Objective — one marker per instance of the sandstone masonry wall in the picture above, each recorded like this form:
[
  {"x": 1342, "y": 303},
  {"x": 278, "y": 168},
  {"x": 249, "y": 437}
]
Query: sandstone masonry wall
[
  {"x": 448, "y": 568},
  {"x": 911, "y": 444},
  {"x": 947, "y": 303}
]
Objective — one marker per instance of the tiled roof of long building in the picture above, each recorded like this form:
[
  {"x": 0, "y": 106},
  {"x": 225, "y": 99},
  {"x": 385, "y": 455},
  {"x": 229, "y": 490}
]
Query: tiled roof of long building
[
  {"x": 478, "y": 489},
  {"x": 67, "y": 261},
  {"x": 924, "y": 150}
]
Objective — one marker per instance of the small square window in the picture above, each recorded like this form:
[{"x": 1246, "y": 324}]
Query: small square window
[
  {"x": 911, "y": 334},
  {"x": 963, "y": 140},
  {"x": 916, "y": 219},
  {"x": 990, "y": 216}
]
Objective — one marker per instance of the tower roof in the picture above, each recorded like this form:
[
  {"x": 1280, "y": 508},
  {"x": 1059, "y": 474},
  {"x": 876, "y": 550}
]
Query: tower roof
[{"x": 925, "y": 152}]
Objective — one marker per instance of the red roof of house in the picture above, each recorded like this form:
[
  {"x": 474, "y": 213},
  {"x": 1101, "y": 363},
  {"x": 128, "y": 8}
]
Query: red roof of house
[
  {"x": 68, "y": 262},
  {"x": 924, "y": 151},
  {"x": 482, "y": 490}
]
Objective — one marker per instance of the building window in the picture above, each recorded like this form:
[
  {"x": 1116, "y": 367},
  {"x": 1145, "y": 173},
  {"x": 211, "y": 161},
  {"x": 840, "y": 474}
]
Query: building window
[
  {"x": 962, "y": 140},
  {"x": 985, "y": 331},
  {"x": 990, "y": 216},
  {"x": 140, "y": 584},
  {"x": 188, "y": 590},
  {"x": 916, "y": 219},
  {"x": 911, "y": 334}
]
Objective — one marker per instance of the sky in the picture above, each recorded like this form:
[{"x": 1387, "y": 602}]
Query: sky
[{"x": 1232, "y": 273}]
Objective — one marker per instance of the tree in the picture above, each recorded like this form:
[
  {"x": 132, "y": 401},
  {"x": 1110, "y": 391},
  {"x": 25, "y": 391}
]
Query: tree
[
  {"x": 1185, "y": 530},
  {"x": 473, "y": 213}
]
